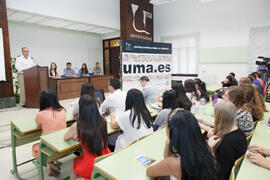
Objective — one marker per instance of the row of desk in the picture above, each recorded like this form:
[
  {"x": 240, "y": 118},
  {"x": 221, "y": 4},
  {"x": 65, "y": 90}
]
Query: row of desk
[
  {"x": 122, "y": 164},
  {"x": 52, "y": 146}
]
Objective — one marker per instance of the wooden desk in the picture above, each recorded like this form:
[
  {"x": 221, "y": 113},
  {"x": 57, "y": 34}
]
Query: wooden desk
[
  {"x": 248, "y": 170},
  {"x": 101, "y": 82},
  {"x": 24, "y": 130},
  {"x": 122, "y": 165},
  {"x": 70, "y": 87},
  {"x": 67, "y": 88}
]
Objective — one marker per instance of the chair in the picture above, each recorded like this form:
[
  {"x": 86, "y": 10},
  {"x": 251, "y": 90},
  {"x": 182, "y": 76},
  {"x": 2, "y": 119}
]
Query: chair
[
  {"x": 236, "y": 167},
  {"x": 249, "y": 137}
]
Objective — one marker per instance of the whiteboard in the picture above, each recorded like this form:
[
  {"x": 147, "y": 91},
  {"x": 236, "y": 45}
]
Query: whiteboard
[{"x": 2, "y": 58}]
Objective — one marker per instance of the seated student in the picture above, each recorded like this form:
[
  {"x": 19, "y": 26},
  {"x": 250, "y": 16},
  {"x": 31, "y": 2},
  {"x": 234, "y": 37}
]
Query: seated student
[
  {"x": 243, "y": 119},
  {"x": 87, "y": 89},
  {"x": 228, "y": 81},
  {"x": 182, "y": 101},
  {"x": 91, "y": 131},
  {"x": 256, "y": 155},
  {"x": 53, "y": 71},
  {"x": 51, "y": 117},
  {"x": 254, "y": 80},
  {"x": 186, "y": 153},
  {"x": 263, "y": 89},
  {"x": 244, "y": 80},
  {"x": 226, "y": 140},
  {"x": 168, "y": 105},
  {"x": 193, "y": 94},
  {"x": 135, "y": 122},
  {"x": 69, "y": 71},
  {"x": 83, "y": 71},
  {"x": 150, "y": 92},
  {"x": 200, "y": 85},
  {"x": 115, "y": 102},
  {"x": 259, "y": 97},
  {"x": 254, "y": 108},
  {"x": 234, "y": 81}
]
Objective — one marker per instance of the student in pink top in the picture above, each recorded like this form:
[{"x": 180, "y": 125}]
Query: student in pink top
[{"x": 51, "y": 117}]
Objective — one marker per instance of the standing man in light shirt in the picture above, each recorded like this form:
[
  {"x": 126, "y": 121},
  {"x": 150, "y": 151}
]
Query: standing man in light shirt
[
  {"x": 150, "y": 92},
  {"x": 23, "y": 62},
  {"x": 115, "y": 102},
  {"x": 97, "y": 69}
]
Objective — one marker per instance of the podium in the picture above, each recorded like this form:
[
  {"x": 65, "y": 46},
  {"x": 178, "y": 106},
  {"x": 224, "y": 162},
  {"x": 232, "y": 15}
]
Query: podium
[{"x": 36, "y": 80}]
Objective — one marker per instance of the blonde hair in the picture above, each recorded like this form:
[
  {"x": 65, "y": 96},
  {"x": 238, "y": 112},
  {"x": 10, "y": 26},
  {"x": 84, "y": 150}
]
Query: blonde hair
[{"x": 225, "y": 115}]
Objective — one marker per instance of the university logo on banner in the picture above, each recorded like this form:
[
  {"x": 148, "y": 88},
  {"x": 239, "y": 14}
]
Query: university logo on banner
[{"x": 146, "y": 59}]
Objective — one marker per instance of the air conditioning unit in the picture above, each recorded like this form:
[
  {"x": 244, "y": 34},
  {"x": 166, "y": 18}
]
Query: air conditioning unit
[{"x": 159, "y": 2}]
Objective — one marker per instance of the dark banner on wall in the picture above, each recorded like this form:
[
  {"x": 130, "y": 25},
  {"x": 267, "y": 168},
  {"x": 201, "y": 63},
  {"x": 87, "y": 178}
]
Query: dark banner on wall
[
  {"x": 146, "y": 59},
  {"x": 136, "y": 19}
]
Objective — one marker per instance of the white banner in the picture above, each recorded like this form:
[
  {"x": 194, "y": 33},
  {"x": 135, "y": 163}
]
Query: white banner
[
  {"x": 2, "y": 58},
  {"x": 146, "y": 59}
]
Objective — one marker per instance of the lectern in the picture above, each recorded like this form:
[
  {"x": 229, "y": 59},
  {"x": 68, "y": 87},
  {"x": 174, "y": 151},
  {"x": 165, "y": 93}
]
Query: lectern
[{"x": 36, "y": 80}]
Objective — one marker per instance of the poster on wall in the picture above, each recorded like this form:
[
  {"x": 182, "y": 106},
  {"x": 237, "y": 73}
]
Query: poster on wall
[
  {"x": 146, "y": 59},
  {"x": 2, "y": 58}
]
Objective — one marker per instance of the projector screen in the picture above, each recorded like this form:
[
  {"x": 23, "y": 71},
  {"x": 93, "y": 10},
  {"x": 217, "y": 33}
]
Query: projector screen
[{"x": 2, "y": 58}]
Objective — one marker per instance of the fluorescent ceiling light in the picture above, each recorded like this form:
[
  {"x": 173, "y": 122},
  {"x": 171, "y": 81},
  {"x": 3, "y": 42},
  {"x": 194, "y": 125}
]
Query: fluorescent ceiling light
[
  {"x": 205, "y": 1},
  {"x": 159, "y": 2}
]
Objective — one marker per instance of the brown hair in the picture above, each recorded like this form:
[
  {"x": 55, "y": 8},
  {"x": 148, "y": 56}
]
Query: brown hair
[
  {"x": 244, "y": 80},
  {"x": 254, "y": 108},
  {"x": 259, "y": 97},
  {"x": 236, "y": 95}
]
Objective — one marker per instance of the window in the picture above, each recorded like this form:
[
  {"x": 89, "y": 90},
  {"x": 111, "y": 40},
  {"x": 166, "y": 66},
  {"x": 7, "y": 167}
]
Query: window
[{"x": 184, "y": 53}]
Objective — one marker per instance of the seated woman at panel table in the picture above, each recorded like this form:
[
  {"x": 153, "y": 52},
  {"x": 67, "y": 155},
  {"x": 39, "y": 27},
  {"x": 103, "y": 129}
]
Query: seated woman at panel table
[
  {"x": 168, "y": 105},
  {"x": 226, "y": 140},
  {"x": 51, "y": 117},
  {"x": 135, "y": 122},
  {"x": 91, "y": 131},
  {"x": 53, "y": 71},
  {"x": 257, "y": 155},
  {"x": 186, "y": 154},
  {"x": 83, "y": 71},
  {"x": 86, "y": 89}
]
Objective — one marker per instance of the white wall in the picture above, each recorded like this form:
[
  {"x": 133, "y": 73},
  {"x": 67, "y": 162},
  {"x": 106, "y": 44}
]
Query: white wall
[
  {"x": 221, "y": 24},
  {"x": 97, "y": 12},
  {"x": 51, "y": 44}
]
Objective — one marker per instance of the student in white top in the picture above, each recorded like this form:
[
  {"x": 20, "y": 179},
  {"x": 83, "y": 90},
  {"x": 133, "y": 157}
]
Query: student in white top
[
  {"x": 135, "y": 122},
  {"x": 115, "y": 102},
  {"x": 23, "y": 62},
  {"x": 193, "y": 94},
  {"x": 150, "y": 92}
]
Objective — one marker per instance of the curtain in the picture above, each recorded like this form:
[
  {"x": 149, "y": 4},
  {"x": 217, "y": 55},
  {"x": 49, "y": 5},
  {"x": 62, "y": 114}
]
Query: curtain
[{"x": 185, "y": 56}]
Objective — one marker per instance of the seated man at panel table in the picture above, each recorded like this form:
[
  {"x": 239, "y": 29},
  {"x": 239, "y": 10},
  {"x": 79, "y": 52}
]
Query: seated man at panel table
[
  {"x": 150, "y": 92},
  {"x": 97, "y": 69},
  {"x": 69, "y": 71},
  {"x": 115, "y": 103}
]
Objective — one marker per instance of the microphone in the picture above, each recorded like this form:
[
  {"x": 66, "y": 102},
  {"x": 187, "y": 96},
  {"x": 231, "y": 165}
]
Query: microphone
[{"x": 35, "y": 61}]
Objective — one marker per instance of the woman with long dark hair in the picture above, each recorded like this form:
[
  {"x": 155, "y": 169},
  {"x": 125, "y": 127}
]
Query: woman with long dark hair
[
  {"x": 200, "y": 85},
  {"x": 51, "y": 117},
  {"x": 182, "y": 101},
  {"x": 186, "y": 154},
  {"x": 53, "y": 70},
  {"x": 193, "y": 94},
  {"x": 83, "y": 71},
  {"x": 135, "y": 121},
  {"x": 86, "y": 89},
  {"x": 91, "y": 130},
  {"x": 168, "y": 105}
]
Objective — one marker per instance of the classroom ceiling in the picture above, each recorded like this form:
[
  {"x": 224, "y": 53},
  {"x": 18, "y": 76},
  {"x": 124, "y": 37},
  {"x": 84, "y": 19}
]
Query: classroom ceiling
[{"x": 30, "y": 18}]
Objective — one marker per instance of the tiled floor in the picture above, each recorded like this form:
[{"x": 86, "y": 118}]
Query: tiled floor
[{"x": 27, "y": 171}]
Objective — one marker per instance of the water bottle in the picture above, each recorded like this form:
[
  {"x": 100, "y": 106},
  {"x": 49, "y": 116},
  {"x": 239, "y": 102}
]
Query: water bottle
[{"x": 215, "y": 97}]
